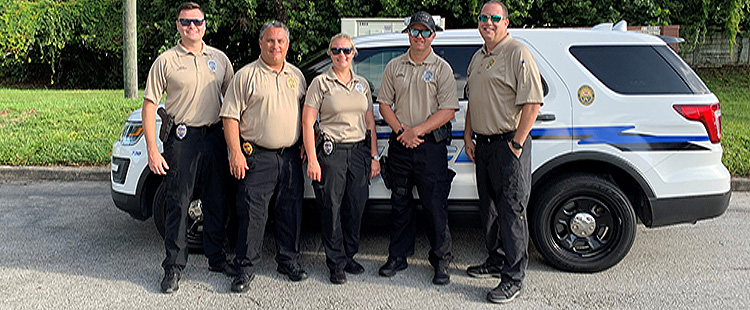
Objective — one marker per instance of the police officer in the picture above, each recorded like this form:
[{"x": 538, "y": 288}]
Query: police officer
[
  {"x": 261, "y": 115},
  {"x": 343, "y": 161},
  {"x": 195, "y": 76},
  {"x": 505, "y": 93},
  {"x": 417, "y": 98}
]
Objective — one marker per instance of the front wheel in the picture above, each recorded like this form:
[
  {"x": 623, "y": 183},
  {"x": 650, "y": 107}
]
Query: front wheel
[
  {"x": 582, "y": 222},
  {"x": 194, "y": 221}
]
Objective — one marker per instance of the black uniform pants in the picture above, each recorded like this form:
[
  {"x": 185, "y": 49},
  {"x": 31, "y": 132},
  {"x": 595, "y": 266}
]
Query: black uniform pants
[
  {"x": 341, "y": 195},
  {"x": 504, "y": 185},
  {"x": 273, "y": 175},
  {"x": 197, "y": 163},
  {"x": 425, "y": 167}
]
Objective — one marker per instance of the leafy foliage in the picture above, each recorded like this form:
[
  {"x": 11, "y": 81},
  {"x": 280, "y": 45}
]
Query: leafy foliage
[{"x": 78, "y": 43}]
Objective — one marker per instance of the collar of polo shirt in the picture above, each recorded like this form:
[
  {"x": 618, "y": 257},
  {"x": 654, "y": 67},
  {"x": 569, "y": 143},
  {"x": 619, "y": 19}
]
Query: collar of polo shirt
[
  {"x": 331, "y": 76},
  {"x": 183, "y": 51},
  {"x": 431, "y": 58},
  {"x": 265, "y": 67},
  {"x": 505, "y": 41}
]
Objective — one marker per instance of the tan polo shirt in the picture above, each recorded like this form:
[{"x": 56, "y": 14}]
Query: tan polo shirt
[
  {"x": 194, "y": 84},
  {"x": 267, "y": 103},
  {"x": 341, "y": 107},
  {"x": 416, "y": 91},
  {"x": 498, "y": 84}
]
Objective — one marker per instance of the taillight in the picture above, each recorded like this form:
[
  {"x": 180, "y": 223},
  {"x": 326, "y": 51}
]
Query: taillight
[{"x": 709, "y": 115}]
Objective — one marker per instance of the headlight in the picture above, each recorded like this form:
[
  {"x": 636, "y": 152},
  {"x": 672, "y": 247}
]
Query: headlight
[{"x": 131, "y": 132}]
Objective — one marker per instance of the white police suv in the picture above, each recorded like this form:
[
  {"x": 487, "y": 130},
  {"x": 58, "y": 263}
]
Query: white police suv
[{"x": 627, "y": 132}]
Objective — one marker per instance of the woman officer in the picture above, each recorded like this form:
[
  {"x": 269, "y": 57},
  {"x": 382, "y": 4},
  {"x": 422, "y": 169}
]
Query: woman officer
[{"x": 340, "y": 158}]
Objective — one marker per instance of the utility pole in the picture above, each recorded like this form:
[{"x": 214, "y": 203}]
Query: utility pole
[{"x": 129, "y": 51}]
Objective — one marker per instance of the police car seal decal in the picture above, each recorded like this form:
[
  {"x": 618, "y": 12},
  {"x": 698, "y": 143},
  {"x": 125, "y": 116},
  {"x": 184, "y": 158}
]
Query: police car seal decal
[
  {"x": 212, "y": 65},
  {"x": 586, "y": 95},
  {"x": 428, "y": 75}
]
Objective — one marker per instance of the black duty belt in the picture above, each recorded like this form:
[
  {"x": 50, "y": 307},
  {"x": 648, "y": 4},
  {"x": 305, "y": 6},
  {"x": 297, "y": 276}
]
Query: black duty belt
[
  {"x": 249, "y": 148},
  {"x": 182, "y": 131},
  {"x": 427, "y": 137},
  {"x": 204, "y": 130},
  {"x": 348, "y": 145},
  {"x": 488, "y": 139}
]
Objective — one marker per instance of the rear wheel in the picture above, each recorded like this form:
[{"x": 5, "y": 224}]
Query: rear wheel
[
  {"x": 582, "y": 222},
  {"x": 194, "y": 224}
]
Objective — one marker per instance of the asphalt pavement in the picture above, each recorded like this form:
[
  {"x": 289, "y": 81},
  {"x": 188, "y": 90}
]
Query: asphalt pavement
[{"x": 66, "y": 246}]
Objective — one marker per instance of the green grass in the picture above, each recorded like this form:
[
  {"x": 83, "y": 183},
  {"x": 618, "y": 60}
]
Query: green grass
[
  {"x": 77, "y": 127},
  {"x": 732, "y": 87},
  {"x": 60, "y": 127}
]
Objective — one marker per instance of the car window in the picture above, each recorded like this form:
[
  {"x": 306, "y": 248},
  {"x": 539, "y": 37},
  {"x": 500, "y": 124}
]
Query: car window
[
  {"x": 638, "y": 70},
  {"x": 459, "y": 58},
  {"x": 370, "y": 63}
]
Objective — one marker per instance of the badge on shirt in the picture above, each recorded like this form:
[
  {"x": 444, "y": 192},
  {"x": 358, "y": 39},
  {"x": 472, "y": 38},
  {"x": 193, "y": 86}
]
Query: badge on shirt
[
  {"x": 328, "y": 147},
  {"x": 360, "y": 88},
  {"x": 181, "y": 131},
  {"x": 291, "y": 82},
  {"x": 248, "y": 148},
  {"x": 212, "y": 65},
  {"x": 489, "y": 64},
  {"x": 428, "y": 75}
]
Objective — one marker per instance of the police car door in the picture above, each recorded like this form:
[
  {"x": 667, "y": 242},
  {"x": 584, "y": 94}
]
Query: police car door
[{"x": 550, "y": 131}]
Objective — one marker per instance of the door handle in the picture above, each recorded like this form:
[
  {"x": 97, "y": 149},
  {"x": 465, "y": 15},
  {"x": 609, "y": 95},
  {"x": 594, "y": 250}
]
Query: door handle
[{"x": 545, "y": 117}]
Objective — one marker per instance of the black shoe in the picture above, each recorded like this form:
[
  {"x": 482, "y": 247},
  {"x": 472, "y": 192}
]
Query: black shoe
[
  {"x": 484, "y": 270},
  {"x": 170, "y": 283},
  {"x": 441, "y": 276},
  {"x": 293, "y": 271},
  {"x": 241, "y": 283},
  {"x": 354, "y": 267},
  {"x": 392, "y": 266},
  {"x": 338, "y": 277},
  {"x": 224, "y": 268},
  {"x": 504, "y": 292}
]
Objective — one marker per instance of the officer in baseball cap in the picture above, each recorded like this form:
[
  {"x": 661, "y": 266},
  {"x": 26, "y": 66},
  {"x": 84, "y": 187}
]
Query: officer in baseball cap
[
  {"x": 423, "y": 18},
  {"x": 418, "y": 100}
]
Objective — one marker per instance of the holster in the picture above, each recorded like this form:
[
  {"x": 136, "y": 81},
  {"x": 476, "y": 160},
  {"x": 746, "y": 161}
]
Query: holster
[
  {"x": 167, "y": 121},
  {"x": 443, "y": 133}
]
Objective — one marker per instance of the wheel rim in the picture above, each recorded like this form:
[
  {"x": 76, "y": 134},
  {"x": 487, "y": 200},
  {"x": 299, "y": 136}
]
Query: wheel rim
[
  {"x": 195, "y": 223},
  {"x": 584, "y": 227}
]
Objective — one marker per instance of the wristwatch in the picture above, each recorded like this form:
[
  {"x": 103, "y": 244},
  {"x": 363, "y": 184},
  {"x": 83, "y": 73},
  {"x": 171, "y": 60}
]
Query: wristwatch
[
  {"x": 376, "y": 157},
  {"x": 515, "y": 144}
]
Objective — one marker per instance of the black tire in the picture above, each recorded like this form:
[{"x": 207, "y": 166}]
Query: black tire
[
  {"x": 577, "y": 245},
  {"x": 195, "y": 227}
]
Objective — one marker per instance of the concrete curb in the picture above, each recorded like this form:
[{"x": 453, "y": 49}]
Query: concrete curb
[
  {"x": 60, "y": 173},
  {"x": 53, "y": 173}
]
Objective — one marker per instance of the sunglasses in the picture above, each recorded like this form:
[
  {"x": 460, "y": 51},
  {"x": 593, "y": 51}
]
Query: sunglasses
[
  {"x": 185, "y": 22},
  {"x": 338, "y": 50},
  {"x": 415, "y": 32},
  {"x": 494, "y": 18}
]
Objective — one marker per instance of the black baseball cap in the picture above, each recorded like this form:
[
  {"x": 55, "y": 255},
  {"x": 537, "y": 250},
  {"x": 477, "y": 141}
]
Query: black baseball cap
[{"x": 425, "y": 19}]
